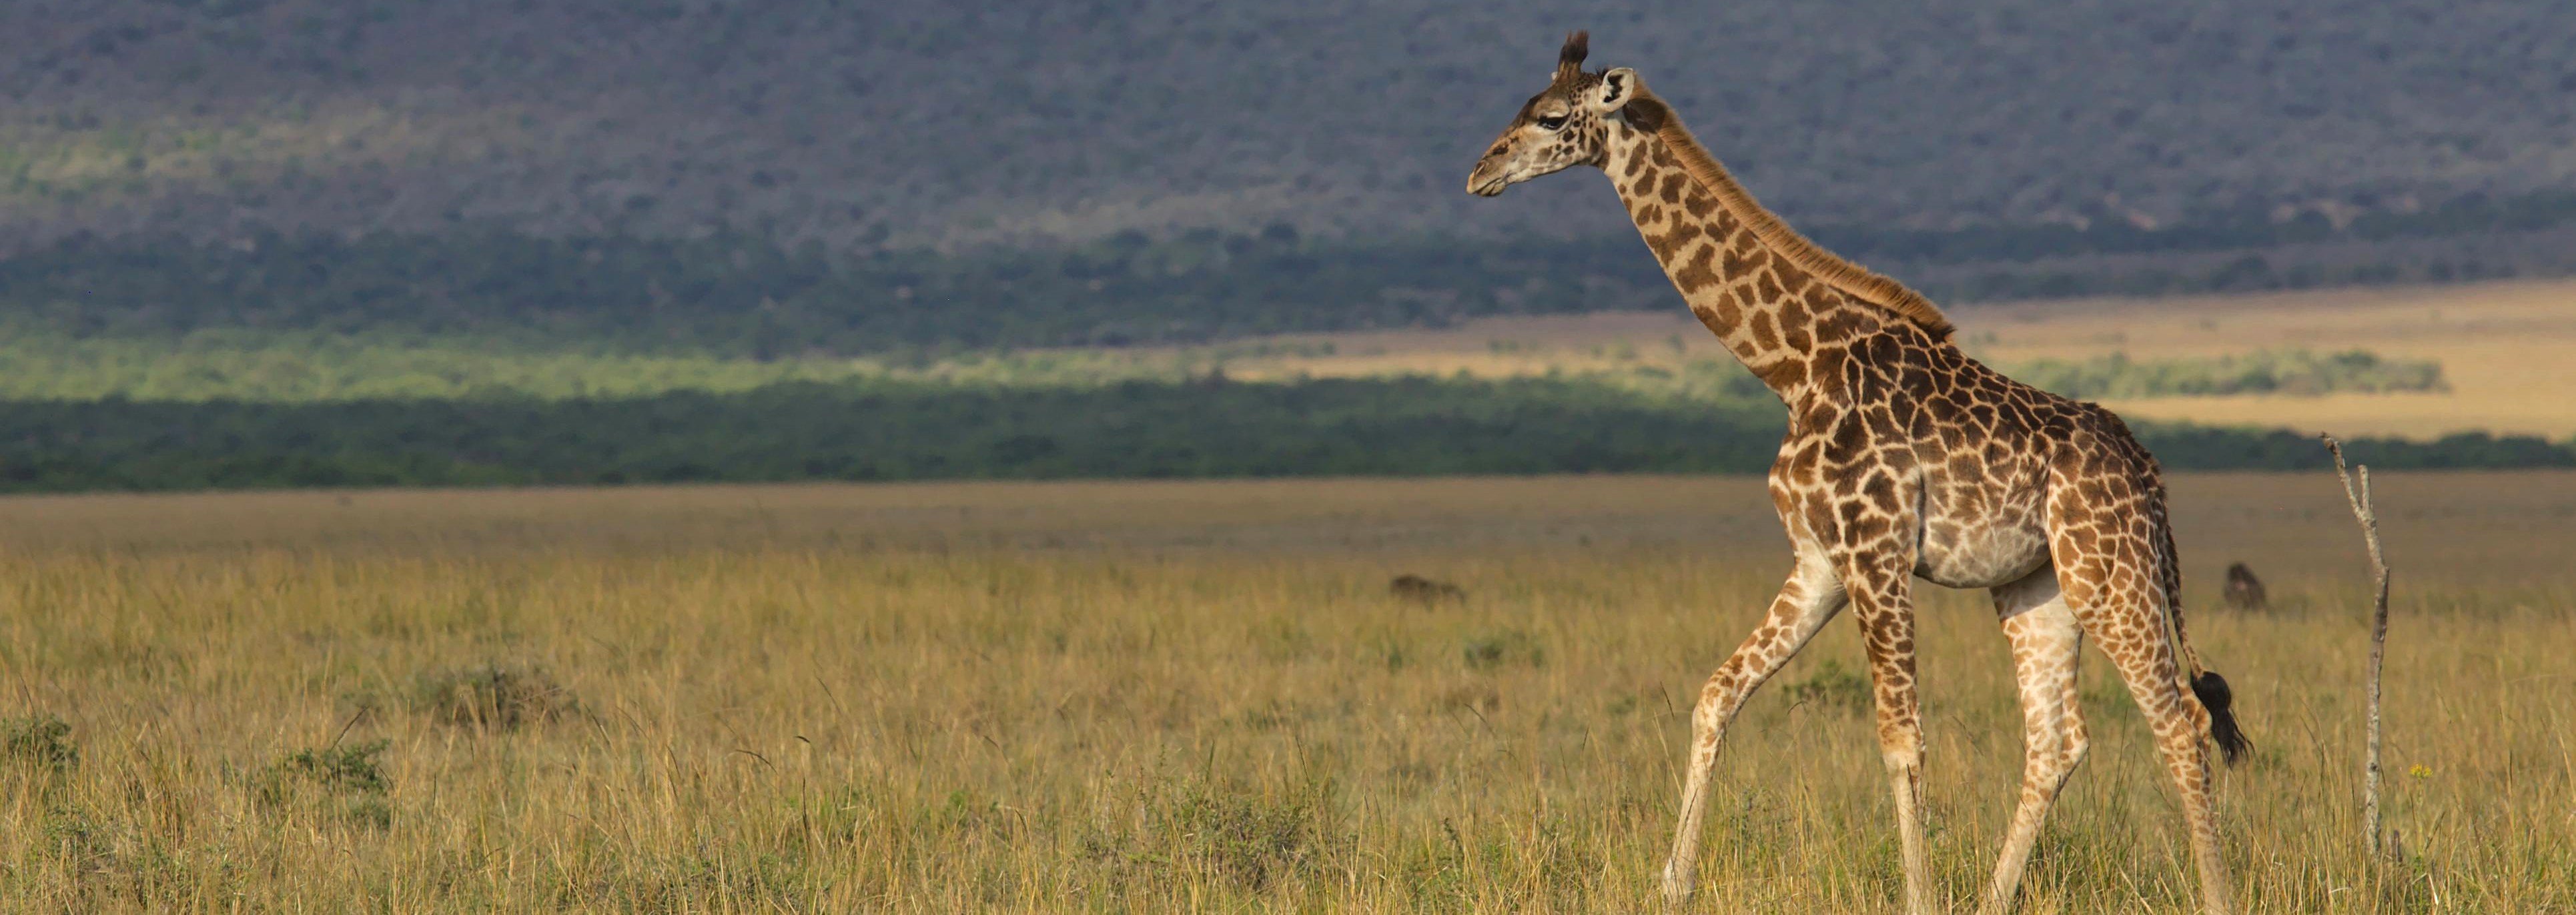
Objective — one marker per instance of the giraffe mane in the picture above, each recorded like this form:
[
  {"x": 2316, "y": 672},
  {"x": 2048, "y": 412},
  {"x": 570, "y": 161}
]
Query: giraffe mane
[{"x": 1647, "y": 111}]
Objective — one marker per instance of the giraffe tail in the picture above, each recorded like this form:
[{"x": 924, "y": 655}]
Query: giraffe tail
[
  {"x": 2212, "y": 691},
  {"x": 2206, "y": 685}
]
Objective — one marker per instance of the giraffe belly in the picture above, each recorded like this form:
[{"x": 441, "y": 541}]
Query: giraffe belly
[{"x": 1958, "y": 555}]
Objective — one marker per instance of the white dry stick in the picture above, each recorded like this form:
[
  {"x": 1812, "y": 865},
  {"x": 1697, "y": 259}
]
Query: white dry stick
[{"x": 2360, "y": 498}]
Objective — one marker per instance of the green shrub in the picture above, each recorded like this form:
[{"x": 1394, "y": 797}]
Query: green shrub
[
  {"x": 41, "y": 740},
  {"x": 2293, "y": 372},
  {"x": 1497, "y": 649},
  {"x": 1254, "y": 839},
  {"x": 493, "y": 696},
  {"x": 1832, "y": 687},
  {"x": 344, "y": 782}
]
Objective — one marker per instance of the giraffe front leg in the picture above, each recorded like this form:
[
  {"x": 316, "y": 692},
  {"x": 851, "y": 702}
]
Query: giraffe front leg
[
  {"x": 2045, "y": 642},
  {"x": 1811, "y": 597},
  {"x": 1882, "y": 600}
]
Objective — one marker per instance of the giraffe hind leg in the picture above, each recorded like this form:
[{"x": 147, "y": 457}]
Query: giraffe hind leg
[
  {"x": 2045, "y": 643},
  {"x": 2109, "y": 579}
]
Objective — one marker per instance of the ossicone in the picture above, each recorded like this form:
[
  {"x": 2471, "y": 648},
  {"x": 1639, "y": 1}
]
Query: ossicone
[{"x": 1569, "y": 59}]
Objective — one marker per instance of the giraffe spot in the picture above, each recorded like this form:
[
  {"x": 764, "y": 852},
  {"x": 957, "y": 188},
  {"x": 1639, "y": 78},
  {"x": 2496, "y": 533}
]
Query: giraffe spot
[
  {"x": 1794, "y": 313},
  {"x": 1882, "y": 424},
  {"x": 1793, "y": 276},
  {"x": 1764, "y": 335},
  {"x": 1748, "y": 264},
  {"x": 1669, "y": 248},
  {"x": 1881, "y": 492},
  {"x": 1695, "y": 275},
  {"x": 1838, "y": 327},
  {"x": 1730, "y": 311},
  {"x": 1820, "y": 518},
  {"x": 1785, "y": 374},
  {"x": 1845, "y": 443}
]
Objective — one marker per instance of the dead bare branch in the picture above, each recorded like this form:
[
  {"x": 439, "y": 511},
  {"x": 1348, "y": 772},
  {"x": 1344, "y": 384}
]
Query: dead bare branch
[{"x": 2359, "y": 497}]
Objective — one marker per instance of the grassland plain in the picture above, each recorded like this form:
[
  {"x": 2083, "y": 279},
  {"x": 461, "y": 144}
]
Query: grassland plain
[
  {"x": 2500, "y": 345},
  {"x": 1187, "y": 697}
]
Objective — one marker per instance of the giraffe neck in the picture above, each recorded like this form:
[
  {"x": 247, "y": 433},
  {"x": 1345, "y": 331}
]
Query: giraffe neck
[{"x": 1763, "y": 307}]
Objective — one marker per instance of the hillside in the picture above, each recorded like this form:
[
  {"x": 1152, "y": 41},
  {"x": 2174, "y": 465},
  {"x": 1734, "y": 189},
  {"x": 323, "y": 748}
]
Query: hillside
[{"x": 905, "y": 123}]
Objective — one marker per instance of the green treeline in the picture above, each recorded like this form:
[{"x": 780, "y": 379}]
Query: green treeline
[
  {"x": 2295, "y": 372},
  {"x": 298, "y": 367},
  {"x": 911, "y": 431}
]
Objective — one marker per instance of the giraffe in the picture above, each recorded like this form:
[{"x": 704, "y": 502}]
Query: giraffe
[{"x": 1904, "y": 458}]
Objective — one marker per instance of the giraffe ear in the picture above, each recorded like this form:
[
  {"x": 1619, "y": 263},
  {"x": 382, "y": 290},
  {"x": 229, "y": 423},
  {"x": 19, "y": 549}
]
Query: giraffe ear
[{"x": 1616, "y": 89}]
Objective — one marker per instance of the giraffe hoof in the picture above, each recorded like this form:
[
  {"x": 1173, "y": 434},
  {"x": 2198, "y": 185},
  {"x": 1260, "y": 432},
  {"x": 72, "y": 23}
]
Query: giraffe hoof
[{"x": 1678, "y": 884}]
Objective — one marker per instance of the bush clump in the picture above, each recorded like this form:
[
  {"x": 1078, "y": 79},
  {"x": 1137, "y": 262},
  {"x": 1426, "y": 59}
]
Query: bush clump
[
  {"x": 493, "y": 696},
  {"x": 41, "y": 740},
  {"x": 1255, "y": 840},
  {"x": 1493, "y": 650},
  {"x": 2293, "y": 372},
  {"x": 347, "y": 781},
  {"x": 1832, "y": 687}
]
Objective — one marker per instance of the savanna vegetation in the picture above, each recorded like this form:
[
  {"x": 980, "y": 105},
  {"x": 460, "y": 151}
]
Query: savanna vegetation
[
  {"x": 2293, "y": 372},
  {"x": 1190, "y": 696},
  {"x": 914, "y": 430}
]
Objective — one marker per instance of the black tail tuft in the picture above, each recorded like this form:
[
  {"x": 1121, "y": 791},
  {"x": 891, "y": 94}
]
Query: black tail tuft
[{"x": 2214, "y": 696}]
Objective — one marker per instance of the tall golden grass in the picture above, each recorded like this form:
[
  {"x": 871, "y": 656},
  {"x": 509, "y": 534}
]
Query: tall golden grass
[{"x": 1189, "y": 697}]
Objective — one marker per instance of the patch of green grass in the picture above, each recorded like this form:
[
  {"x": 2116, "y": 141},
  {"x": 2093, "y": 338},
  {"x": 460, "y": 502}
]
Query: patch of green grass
[
  {"x": 347, "y": 781},
  {"x": 1253, "y": 839},
  {"x": 1832, "y": 687},
  {"x": 1508, "y": 647},
  {"x": 351, "y": 768},
  {"x": 501, "y": 697},
  {"x": 2294, "y": 372},
  {"x": 40, "y": 740}
]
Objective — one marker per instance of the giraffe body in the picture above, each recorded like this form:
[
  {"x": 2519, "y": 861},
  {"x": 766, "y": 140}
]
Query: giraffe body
[{"x": 1904, "y": 458}]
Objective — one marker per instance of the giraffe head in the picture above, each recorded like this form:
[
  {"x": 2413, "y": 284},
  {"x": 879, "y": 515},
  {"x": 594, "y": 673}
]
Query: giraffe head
[{"x": 1565, "y": 124}]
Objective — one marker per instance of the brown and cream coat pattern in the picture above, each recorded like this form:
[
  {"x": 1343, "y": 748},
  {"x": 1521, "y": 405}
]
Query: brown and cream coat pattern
[{"x": 1904, "y": 459}]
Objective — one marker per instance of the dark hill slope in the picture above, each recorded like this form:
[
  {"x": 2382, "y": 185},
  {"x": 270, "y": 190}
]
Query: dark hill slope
[{"x": 864, "y": 123}]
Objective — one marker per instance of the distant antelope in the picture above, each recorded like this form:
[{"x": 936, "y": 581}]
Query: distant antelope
[
  {"x": 1422, "y": 590},
  {"x": 1904, "y": 458},
  {"x": 2244, "y": 591}
]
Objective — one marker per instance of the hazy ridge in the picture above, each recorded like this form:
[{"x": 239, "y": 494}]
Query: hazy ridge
[{"x": 905, "y": 123}]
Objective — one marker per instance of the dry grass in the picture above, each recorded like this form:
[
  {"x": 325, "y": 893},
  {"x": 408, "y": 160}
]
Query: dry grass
[
  {"x": 2502, "y": 347},
  {"x": 1147, "y": 697}
]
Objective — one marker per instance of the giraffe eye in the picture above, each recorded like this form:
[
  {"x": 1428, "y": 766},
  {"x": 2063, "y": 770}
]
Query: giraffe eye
[{"x": 1551, "y": 122}]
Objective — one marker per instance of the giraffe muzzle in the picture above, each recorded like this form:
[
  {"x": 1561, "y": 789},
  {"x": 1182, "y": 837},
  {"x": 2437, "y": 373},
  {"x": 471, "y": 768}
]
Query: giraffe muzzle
[{"x": 1488, "y": 180}]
